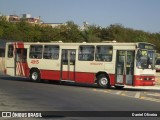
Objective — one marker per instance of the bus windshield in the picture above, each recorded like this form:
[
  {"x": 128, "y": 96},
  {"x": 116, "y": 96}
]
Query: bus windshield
[{"x": 145, "y": 59}]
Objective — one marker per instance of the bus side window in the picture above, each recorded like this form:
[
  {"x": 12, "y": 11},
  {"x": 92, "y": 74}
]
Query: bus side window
[
  {"x": 36, "y": 51},
  {"x": 104, "y": 53},
  {"x": 10, "y": 51},
  {"x": 51, "y": 52},
  {"x": 86, "y": 53}
]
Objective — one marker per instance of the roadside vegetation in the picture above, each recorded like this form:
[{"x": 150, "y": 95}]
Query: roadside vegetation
[{"x": 70, "y": 32}]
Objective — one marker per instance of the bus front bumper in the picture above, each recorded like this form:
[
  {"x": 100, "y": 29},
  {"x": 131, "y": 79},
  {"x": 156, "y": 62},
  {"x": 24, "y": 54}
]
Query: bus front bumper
[{"x": 144, "y": 81}]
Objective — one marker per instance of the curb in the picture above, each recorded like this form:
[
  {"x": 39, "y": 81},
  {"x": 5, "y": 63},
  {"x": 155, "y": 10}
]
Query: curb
[{"x": 156, "y": 87}]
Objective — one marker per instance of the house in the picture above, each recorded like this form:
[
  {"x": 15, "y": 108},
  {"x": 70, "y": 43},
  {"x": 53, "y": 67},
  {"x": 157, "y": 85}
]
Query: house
[
  {"x": 53, "y": 25},
  {"x": 25, "y": 17}
]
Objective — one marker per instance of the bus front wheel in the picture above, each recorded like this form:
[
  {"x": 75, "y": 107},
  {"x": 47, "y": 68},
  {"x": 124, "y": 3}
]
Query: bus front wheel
[
  {"x": 103, "y": 81},
  {"x": 35, "y": 76}
]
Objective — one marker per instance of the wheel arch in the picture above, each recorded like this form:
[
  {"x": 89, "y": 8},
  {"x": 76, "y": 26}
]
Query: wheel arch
[
  {"x": 34, "y": 69},
  {"x": 38, "y": 78}
]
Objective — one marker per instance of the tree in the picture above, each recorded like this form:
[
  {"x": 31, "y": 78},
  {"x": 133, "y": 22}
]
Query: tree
[
  {"x": 91, "y": 34},
  {"x": 70, "y": 32},
  {"x": 1, "y": 32}
]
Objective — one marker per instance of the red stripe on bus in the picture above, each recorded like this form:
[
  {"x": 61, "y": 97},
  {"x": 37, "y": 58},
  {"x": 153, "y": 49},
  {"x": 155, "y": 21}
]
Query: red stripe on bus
[
  {"x": 79, "y": 77},
  {"x": 50, "y": 74},
  {"x": 83, "y": 77},
  {"x": 20, "y": 45}
]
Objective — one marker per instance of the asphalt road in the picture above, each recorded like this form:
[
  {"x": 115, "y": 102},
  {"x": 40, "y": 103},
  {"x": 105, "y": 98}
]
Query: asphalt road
[{"x": 18, "y": 94}]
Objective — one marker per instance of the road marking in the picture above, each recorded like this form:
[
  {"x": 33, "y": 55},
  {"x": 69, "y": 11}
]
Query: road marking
[
  {"x": 94, "y": 89},
  {"x": 123, "y": 94},
  {"x": 137, "y": 95},
  {"x": 151, "y": 99},
  {"x": 142, "y": 97},
  {"x": 105, "y": 91},
  {"x": 156, "y": 94},
  {"x": 119, "y": 92}
]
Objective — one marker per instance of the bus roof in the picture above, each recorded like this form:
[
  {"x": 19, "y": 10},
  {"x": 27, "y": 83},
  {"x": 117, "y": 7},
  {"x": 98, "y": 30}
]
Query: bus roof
[{"x": 84, "y": 43}]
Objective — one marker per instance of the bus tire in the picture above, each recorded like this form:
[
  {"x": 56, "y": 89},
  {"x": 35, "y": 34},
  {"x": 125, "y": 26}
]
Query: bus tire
[
  {"x": 103, "y": 81},
  {"x": 35, "y": 76}
]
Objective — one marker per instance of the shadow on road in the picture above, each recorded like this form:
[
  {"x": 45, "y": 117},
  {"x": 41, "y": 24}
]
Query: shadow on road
[{"x": 14, "y": 78}]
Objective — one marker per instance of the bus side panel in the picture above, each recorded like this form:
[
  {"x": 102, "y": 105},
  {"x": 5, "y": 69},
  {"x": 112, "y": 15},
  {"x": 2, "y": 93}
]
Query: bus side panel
[
  {"x": 49, "y": 71},
  {"x": 72, "y": 75},
  {"x": 84, "y": 77},
  {"x": 112, "y": 79},
  {"x": 10, "y": 66},
  {"x": 68, "y": 75},
  {"x": 86, "y": 70},
  {"x": 50, "y": 74}
]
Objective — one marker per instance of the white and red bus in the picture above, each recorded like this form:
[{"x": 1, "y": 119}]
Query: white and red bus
[{"x": 107, "y": 64}]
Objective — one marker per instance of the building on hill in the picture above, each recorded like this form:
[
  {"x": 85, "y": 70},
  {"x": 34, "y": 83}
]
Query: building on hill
[
  {"x": 25, "y": 17},
  {"x": 53, "y": 25}
]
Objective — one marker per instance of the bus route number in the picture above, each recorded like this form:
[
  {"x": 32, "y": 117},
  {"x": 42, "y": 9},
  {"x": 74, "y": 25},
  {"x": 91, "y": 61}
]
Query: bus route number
[{"x": 35, "y": 61}]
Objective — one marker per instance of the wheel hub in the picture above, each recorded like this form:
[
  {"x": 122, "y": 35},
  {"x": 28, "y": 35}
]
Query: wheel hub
[
  {"x": 104, "y": 81},
  {"x": 34, "y": 76}
]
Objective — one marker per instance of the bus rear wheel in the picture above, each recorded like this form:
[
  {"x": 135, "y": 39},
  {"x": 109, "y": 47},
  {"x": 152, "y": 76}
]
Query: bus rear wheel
[
  {"x": 103, "y": 81},
  {"x": 35, "y": 76}
]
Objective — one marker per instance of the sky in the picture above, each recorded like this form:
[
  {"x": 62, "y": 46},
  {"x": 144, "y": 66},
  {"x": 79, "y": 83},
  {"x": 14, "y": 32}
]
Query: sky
[{"x": 136, "y": 14}]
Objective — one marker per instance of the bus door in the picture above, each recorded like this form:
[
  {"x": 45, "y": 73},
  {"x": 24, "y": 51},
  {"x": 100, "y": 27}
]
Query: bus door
[
  {"x": 21, "y": 66},
  {"x": 10, "y": 61},
  {"x": 68, "y": 64},
  {"x": 125, "y": 67}
]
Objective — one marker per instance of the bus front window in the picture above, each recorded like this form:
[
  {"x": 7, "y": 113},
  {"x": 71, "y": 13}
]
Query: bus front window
[{"x": 145, "y": 59}]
